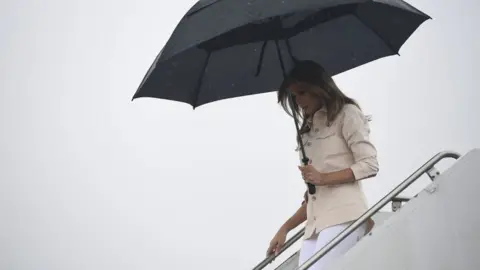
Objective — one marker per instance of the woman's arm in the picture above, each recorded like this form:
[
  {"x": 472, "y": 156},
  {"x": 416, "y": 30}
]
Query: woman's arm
[
  {"x": 338, "y": 177},
  {"x": 356, "y": 132},
  {"x": 280, "y": 237},
  {"x": 298, "y": 218}
]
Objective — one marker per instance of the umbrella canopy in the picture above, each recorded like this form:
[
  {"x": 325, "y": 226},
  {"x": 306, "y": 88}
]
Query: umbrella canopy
[{"x": 229, "y": 48}]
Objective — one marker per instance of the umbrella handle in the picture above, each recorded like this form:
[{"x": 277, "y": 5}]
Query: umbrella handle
[
  {"x": 305, "y": 160},
  {"x": 311, "y": 188}
]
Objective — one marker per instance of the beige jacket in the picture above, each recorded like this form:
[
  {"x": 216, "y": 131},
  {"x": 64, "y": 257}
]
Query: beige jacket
[{"x": 343, "y": 144}]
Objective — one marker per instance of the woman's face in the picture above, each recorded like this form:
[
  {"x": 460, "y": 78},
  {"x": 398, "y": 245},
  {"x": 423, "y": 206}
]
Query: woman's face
[{"x": 305, "y": 97}]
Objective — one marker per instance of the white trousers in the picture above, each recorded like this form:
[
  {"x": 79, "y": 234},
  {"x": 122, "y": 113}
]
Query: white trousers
[{"x": 314, "y": 244}]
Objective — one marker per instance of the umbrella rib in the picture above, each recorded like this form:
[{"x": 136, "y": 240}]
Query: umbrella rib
[
  {"x": 202, "y": 8},
  {"x": 282, "y": 64},
  {"x": 260, "y": 61},
  {"x": 289, "y": 48},
  {"x": 198, "y": 87},
  {"x": 378, "y": 35},
  {"x": 147, "y": 75}
]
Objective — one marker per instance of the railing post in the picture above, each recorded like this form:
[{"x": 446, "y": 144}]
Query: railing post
[
  {"x": 433, "y": 173},
  {"x": 397, "y": 203}
]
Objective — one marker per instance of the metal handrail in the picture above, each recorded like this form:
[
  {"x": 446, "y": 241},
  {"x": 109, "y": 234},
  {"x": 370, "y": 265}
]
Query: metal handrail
[
  {"x": 385, "y": 200},
  {"x": 287, "y": 244},
  {"x": 374, "y": 209}
]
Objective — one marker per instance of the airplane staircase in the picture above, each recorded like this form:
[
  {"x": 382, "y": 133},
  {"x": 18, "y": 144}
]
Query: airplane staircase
[{"x": 436, "y": 229}]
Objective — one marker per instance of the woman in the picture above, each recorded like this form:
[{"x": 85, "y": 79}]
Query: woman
[{"x": 335, "y": 134}]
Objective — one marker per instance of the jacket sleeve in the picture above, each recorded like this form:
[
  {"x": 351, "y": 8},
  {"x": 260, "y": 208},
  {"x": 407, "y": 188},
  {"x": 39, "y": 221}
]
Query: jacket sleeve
[{"x": 356, "y": 131}]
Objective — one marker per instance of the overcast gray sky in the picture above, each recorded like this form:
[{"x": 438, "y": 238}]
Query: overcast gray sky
[{"x": 91, "y": 181}]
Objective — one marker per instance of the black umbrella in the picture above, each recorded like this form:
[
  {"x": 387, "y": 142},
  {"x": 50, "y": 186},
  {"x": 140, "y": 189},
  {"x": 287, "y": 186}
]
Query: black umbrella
[{"x": 230, "y": 48}]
